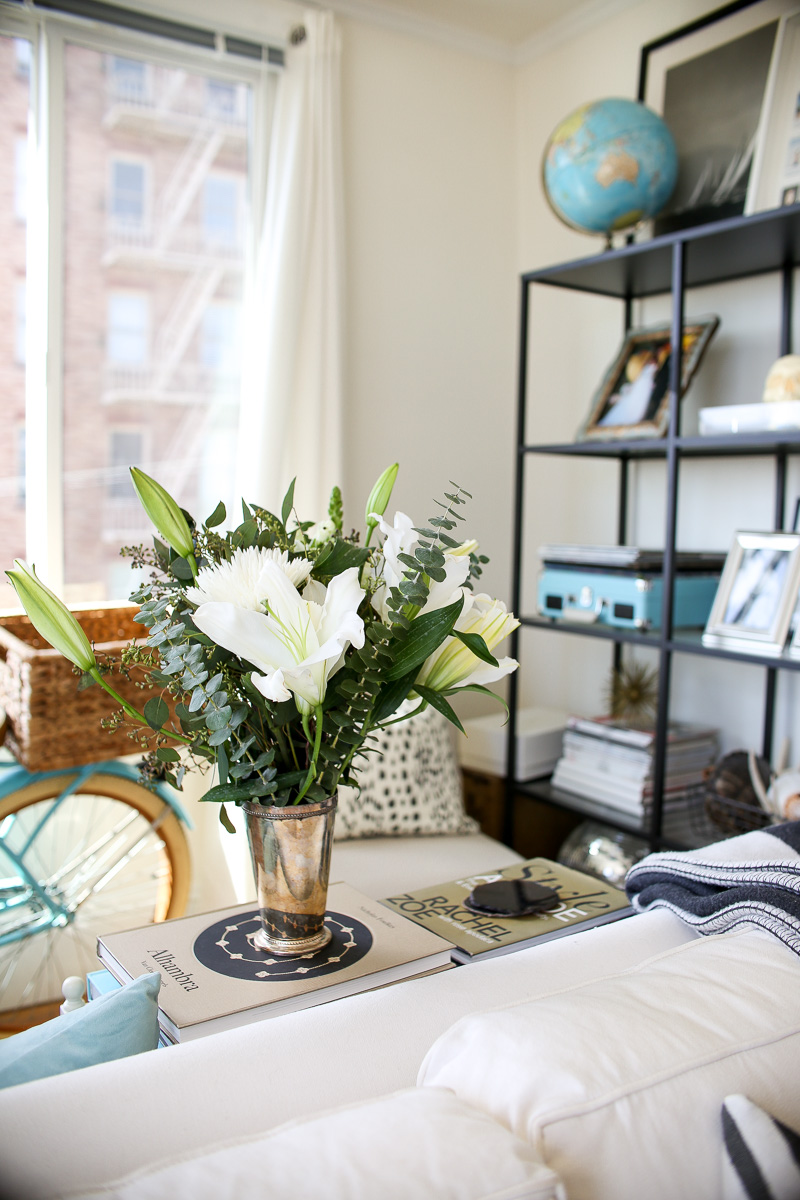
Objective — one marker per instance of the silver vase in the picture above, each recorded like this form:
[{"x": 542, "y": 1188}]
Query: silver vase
[{"x": 291, "y": 852}]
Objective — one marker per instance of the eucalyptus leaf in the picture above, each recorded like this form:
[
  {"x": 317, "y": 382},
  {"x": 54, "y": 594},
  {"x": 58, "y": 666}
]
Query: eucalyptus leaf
[
  {"x": 217, "y": 517},
  {"x": 156, "y": 712},
  {"x": 288, "y": 503}
]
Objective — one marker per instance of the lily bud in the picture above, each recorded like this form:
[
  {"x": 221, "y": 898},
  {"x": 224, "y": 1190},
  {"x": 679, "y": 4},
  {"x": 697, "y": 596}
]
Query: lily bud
[
  {"x": 379, "y": 498},
  {"x": 164, "y": 514},
  {"x": 51, "y": 618}
]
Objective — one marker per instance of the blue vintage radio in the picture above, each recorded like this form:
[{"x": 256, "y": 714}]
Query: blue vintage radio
[{"x": 627, "y": 594}]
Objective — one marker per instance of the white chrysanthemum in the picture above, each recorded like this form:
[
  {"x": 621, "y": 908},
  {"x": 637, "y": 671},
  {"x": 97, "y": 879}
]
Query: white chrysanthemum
[{"x": 239, "y": 581}]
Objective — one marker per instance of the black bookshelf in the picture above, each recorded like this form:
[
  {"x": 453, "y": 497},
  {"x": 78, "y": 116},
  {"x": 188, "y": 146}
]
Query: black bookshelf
[{"x": 723, "y": 252}]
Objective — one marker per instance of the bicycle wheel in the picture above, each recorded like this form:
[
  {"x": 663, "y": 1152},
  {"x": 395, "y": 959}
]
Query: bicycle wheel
[{"x": 100, "y": 856}]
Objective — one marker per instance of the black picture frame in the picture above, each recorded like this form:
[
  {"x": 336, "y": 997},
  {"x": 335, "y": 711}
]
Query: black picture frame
[{"x": 709, "y": 79}]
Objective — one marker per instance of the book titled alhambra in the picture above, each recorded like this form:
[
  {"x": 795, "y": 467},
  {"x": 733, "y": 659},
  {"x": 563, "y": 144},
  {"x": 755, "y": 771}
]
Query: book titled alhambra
[
  {"x": 213, "y": 977},
  {"x": 584, "y": 901}
]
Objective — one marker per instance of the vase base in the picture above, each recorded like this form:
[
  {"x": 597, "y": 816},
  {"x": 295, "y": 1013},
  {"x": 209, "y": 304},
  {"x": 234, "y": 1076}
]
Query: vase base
[{"x": 292, "y": 947}]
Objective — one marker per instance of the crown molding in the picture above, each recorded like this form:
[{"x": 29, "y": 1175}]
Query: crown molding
[
  {"x": 441, "y": 33},
  {"x": 587, "y": 17},
  {"x": 455, "y": 37}
]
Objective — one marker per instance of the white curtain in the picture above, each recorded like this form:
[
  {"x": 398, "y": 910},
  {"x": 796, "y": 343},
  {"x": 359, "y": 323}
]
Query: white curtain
[{"x": 291, "y": 414}]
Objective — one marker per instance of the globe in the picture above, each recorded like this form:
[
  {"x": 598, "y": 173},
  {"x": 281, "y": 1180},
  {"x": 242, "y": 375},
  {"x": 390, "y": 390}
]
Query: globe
[{"x": 608, "y": 166}]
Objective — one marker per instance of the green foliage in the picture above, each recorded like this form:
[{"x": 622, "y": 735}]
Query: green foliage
[{"x": 278, "y": 752}]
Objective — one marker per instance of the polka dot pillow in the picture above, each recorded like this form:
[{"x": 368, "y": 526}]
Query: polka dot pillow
[{"x": 410, "y": 785}]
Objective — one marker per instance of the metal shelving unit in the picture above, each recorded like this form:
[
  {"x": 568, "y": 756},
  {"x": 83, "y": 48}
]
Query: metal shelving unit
[{"x": 675, "y": 263}]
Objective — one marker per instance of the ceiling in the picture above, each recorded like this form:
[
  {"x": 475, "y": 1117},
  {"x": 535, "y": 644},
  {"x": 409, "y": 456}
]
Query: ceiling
[{"x": 505, "y": 28}]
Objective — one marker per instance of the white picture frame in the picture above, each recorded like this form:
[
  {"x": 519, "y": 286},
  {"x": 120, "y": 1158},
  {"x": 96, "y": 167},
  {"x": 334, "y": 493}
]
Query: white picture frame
[
  {"x": 757, "y": 593},
  {"x": 775, "y": 177}
]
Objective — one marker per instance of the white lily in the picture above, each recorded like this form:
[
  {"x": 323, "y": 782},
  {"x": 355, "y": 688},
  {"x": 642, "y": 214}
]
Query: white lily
[
  {"x": 402, "y": 538},
  {"x": 239, "y": 581},
  {"x": 299, "y": 642},
  {"x": 453, "y": 664}
]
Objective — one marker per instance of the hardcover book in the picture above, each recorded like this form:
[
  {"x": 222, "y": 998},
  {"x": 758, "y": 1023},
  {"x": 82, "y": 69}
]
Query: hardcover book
[
  {"x": 213, "y": 978},
  {"x": 584, "y": 901}
]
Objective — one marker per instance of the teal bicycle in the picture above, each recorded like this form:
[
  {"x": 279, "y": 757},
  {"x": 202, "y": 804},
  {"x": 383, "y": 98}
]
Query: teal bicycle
[{"x": 83, "y": 851}]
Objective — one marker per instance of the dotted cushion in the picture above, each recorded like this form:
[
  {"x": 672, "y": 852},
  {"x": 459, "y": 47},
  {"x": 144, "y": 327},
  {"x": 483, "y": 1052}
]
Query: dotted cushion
[{"x": 411, "y": 785}]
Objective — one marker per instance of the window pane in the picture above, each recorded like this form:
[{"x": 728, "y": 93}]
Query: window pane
[
  {"x": 143, "y": 145},
  {"x": 127, "y": 192},
  {"x": 14, "y": 88}
]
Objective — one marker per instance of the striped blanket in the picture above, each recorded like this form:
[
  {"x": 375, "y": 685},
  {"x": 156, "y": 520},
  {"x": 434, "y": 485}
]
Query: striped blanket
[{"x": 752, "y": 879}]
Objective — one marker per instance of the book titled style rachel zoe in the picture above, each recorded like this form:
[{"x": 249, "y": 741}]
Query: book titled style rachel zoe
[
  {"x": 214, "y": 978},
  {"x": 583, "y": 901}
]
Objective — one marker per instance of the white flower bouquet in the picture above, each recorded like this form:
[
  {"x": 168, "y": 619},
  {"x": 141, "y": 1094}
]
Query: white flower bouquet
[{"x": 276, "y": 650}]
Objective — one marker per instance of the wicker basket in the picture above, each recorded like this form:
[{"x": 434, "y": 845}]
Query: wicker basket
[{"x": 50, "y": 723}]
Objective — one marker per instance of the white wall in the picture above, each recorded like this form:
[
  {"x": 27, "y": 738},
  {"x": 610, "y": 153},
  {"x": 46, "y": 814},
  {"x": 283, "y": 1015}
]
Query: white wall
[
  {"x": 575, "y": 338},
  {"x": 429, "y": 186},
  {"x": 444, "y": 209}
]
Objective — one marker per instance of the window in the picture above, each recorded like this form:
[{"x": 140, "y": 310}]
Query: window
[
  {"x": 221, "y": 98},
  {"x": 221, "y": 209},
  {"x": 127, "y": 205},
  {"x": 20, "y": 178},
  {"x": 131, "y": 121},
  {"x": 129, "y": 79},
  {"x": 219, "y": 343},
  {"x": 22, "y": 55},
  {"x": 15, "y": 91},
  {"x": 125, "y": 450},
  {"x": 20, "y": 321},
  {"x": 128, "y": 329}
]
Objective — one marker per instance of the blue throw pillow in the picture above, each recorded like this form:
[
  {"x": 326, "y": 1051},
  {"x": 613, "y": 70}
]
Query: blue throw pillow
[{"x": 113, "y": 1026}]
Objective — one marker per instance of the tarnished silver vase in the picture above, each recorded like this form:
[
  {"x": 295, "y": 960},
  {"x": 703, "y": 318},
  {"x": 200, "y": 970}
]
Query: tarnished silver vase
[{"x": 291, "y": 852}]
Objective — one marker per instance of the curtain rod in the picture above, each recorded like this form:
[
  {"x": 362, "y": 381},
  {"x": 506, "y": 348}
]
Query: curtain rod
[{"x": 142, "y": 22}]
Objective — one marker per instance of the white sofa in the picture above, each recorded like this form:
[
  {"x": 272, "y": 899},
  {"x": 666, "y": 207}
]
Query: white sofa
[{"x": 594, "y": 1066}]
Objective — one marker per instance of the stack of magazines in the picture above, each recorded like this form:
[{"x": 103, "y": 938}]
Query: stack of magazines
[{"x": 611, "y": 762}]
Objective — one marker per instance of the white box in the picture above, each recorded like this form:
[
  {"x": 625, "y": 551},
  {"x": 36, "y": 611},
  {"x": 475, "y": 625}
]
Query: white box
[
  {"x": 539, "y": 733},
  {"x": 749, "y": 418}
]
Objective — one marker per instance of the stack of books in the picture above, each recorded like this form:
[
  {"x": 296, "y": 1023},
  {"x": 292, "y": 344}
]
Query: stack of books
[
  {"x": 213, "y": 978},
  {"x": 611, "y": 762}
]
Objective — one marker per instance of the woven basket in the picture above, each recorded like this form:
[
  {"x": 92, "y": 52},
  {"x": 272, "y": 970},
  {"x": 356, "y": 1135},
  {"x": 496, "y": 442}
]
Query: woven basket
[{"x": 50, "y": 723}]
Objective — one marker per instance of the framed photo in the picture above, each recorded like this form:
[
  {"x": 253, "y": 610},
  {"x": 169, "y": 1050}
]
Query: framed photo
[
  {"x": 757, "y": 593},
  {"x": 710, "y": 81},
  {"x": 775, "y": 178},
  {"x": 633, "y": 398}
]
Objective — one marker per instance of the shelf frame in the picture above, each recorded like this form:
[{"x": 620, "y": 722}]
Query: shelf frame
[{"x": 721, "y": 252}]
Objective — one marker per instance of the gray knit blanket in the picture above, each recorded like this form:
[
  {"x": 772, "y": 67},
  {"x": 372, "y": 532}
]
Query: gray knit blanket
[{"x": 752, "y": 879}]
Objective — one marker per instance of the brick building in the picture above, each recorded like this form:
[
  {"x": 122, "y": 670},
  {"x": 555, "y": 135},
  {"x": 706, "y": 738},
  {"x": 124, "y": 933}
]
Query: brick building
[{"x": 154, "y": 193}]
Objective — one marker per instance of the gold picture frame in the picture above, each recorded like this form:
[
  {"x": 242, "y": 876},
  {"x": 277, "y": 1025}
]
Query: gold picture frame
[{"x": 633, "y": 398}]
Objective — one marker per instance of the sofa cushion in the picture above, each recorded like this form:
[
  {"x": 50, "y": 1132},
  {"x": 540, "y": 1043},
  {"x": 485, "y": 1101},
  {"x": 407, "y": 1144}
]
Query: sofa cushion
[
  {"x": 405, "y": 1146},
  {"x": 410, "y": 784},
  {"x": 114, "y": 1026},
  {"x": 632, "y": 1069},
  {"x": 761, "y": 1156}
]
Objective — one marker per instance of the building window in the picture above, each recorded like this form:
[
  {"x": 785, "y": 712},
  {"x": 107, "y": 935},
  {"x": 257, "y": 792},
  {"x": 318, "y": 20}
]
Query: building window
[
  {"x": 221, "y": 209},
  {"x": 219, "y": 338},
  {"x": 222, "y": 98},
  {"x": 125, "y": 451},
  {"x": 127, "y": 344},
  {"x": 20, "y": 322},
  {"x": 21, "y": 467},
  {"x": 127, "y": 206},
  {"x": 22, "y": 57},
  {"x": 129, "y": 79},
  {"x": 20, "y": 178}
]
